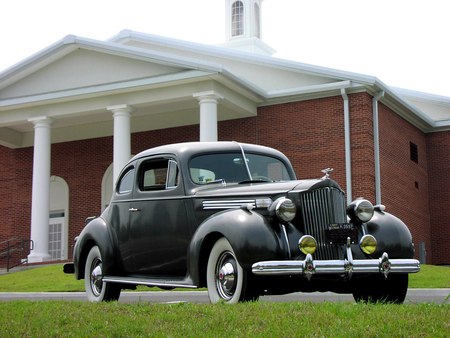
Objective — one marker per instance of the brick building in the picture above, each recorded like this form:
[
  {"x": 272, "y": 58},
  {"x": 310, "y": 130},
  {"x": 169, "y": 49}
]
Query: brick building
[{"x": 73, "y": 114}]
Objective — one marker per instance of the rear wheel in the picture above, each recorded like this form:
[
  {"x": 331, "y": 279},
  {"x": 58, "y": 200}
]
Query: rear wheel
[
  {"x": 96, "y": 289},
  {"x": 379, "y": 289},
  {"x": 226, "y": 279}
]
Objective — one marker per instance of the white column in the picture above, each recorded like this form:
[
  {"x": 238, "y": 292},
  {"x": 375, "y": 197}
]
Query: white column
[
  {"x": 208, "y": 114},
  {"x": 40, "y": 199},
  {"x": 122, "y": 137}
]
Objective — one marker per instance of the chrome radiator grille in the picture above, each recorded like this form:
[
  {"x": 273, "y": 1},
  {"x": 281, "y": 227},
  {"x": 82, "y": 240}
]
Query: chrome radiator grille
[{"x": 319, "y": 209}]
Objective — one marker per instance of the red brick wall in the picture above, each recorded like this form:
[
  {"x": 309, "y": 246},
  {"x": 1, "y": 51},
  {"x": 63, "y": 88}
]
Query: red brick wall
[
  {"x": 82, "y": 165},
  {"x": 7, "y": 178},
  {"x": 362, "y": 148},
  {"x": 7, "y": 193},
  {"x": 310, "y": 133},
  {"x": 15, "y": 198},
  {"x": 438, "y": 146},
  {"x": 404, "y": 183},
  {"x": 15, "y": 192}
]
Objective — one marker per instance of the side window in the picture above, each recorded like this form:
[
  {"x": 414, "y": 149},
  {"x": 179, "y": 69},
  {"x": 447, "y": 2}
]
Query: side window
[
  {"x": 158, "y": 174},
  {"x": 126, "y": 182}
]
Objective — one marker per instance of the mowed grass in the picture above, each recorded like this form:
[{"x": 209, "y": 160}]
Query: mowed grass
[
  {"x": 51, "y": 279},
  {"x": 259, "y": 319},
  {"x": 430, "y": 276}
]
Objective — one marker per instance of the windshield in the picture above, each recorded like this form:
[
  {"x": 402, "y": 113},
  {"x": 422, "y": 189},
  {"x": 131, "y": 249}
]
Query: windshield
[{"x": 230, "y": 168}]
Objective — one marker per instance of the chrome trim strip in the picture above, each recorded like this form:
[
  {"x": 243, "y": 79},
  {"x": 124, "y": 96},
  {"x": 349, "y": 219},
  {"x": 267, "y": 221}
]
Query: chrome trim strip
[
  {"x": 227, "y": 204},
  {"x": 148, "y": 282},
  {"x": 283, "y": 228}
]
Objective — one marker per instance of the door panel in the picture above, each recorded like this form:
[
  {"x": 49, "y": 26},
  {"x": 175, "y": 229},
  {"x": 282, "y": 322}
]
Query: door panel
[
  {"x": 160, "y": 236},
  {"x": 159, "y": 229}
]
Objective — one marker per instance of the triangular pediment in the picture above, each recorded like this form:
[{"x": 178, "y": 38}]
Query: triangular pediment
[{"x": 84, "y": 68}]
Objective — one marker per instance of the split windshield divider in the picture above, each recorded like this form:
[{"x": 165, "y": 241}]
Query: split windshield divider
[{"x": 245, "y": 161}]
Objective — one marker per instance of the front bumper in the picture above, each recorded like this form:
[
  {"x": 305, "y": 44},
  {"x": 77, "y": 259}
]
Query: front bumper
[{"x": 348, "y": 266}]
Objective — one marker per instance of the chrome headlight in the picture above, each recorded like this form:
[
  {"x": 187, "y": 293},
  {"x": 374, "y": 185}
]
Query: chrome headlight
[
  {"x": 361, "y": 210},
  {"x": 284, "y": 208}
]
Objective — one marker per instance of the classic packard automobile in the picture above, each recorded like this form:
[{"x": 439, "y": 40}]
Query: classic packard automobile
[{"x": 232, "y": 217}]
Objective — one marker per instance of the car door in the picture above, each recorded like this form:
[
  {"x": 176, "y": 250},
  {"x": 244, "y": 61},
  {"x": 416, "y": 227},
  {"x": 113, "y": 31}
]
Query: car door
[
  {"x": 159, "y": 228},
  {"x": 119, "y": 217}
]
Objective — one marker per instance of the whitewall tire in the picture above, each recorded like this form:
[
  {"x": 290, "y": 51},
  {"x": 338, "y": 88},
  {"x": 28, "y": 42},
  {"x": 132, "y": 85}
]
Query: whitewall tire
[
  {"x": 96, "y": 289},
  {"x": 226, "y": 280}
]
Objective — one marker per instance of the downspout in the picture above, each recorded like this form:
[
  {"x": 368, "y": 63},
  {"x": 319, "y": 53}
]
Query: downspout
[
  {"x": 348, "y": 157},
  {"x": 376, "y": 146}
]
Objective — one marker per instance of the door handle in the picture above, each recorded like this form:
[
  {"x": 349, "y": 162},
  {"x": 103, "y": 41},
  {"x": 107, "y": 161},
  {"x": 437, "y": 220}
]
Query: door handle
[{"x": 134, "y": 209}]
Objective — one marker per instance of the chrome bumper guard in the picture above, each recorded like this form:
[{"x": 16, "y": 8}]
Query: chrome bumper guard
[{"x": 348, "y": 266}]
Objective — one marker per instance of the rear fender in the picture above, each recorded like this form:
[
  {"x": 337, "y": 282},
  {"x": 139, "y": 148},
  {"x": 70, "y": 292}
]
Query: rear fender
[{"x": 94, "y": 233}]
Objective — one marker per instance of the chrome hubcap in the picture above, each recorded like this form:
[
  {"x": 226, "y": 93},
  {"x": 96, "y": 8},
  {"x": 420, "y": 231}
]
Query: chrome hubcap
[
  {"x": 226, "y": 276},
  {"x": 97, "y": 277}
]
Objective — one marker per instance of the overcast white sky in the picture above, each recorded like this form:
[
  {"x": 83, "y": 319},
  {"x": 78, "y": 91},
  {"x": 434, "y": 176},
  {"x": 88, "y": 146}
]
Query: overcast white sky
[{"x": 405, "y": 43}]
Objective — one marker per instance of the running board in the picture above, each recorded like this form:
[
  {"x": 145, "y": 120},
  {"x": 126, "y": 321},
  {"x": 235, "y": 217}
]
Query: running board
[{"x": 149, "y": 282}]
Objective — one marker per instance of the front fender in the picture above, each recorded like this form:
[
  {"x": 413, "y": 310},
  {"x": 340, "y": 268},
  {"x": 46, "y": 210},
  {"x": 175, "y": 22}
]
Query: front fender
[
  {"x": 392, "y": 235},
  {"x": 251, "y": 236},
  {"x": 94, "y": 233}
]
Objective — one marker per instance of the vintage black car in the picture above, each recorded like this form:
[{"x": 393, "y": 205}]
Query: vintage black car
[{"x": 233, "y": 217}]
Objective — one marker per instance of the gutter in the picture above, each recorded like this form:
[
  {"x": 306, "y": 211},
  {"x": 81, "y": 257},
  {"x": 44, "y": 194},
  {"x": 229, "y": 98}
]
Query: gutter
[
  {"x": 348, "y": 157},
  {"x": 376, "y": 146}
]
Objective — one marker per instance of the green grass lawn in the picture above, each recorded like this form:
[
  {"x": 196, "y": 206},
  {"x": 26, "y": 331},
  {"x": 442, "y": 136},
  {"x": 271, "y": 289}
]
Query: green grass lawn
[
  {"x": 259, "y": 319},
  {"x": 51, "y": 279}
]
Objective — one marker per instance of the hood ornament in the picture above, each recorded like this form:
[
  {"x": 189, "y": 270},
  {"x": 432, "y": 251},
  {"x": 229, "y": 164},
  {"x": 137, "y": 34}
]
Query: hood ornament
[{"x": 327, "y": 173}]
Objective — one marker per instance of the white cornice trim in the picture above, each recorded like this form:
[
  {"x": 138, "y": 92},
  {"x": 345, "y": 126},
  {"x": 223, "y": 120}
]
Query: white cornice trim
[
  {"x": 101, "y": 89},
  {"x": 308, "y": 89}
]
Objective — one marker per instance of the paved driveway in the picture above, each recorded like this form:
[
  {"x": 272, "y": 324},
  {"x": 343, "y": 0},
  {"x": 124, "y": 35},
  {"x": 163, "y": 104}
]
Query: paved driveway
[{"x": 438, "y": 296}]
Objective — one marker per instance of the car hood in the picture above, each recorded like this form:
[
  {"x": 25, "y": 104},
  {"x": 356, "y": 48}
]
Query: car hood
[{"x": 265, "y": 188}]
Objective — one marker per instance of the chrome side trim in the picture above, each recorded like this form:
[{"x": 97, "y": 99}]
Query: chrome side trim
[
  {"x": 148, "y": 282},
  {"x": 227, "y": 204},
  {"x": 286, "y": 240}
]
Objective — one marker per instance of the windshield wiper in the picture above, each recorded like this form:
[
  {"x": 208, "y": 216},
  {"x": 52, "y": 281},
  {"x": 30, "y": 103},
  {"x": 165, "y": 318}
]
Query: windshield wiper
[
  {"x": 260, "y": 180},
  {"x": 219, "y": 180}
]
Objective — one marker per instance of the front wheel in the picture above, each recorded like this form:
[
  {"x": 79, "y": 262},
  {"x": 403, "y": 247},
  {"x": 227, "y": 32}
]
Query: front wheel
[
  {"x": 379, "y": 289},
  {"x": 96, "y": 289},
  {"x": 226, "y": 280}
]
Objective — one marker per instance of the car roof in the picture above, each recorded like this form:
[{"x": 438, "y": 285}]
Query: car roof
[{"x": 188, "y": 149}]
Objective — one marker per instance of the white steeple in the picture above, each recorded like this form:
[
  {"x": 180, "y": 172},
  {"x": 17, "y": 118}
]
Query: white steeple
[{"x": 243, "y": 26}]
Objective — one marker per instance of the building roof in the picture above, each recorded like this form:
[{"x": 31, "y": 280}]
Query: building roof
[{"x": 75, "y": 79}]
